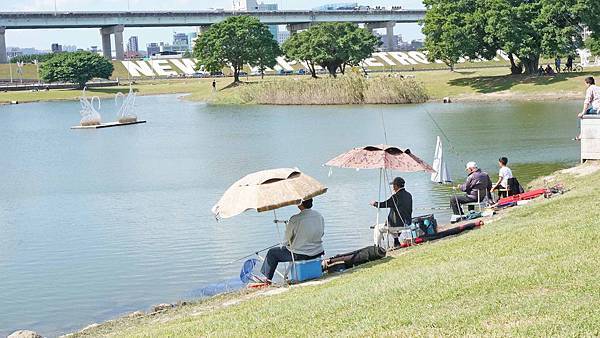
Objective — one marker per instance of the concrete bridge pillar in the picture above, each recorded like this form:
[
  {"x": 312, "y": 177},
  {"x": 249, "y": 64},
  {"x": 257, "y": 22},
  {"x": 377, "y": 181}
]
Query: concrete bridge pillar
[
  {"x": 202, "y": 29},
  {"x": 3, "y": 56},
  {"x": 370, "y": 26},
  {"x": 389, "y": 35},
  {"x": 105, "y": 32},
  {"x": 106, "y": 48},
  {"x": 389, "y": 31},
  {"x": 295, "y": 27},
  {"x": 120, "y": 50}
]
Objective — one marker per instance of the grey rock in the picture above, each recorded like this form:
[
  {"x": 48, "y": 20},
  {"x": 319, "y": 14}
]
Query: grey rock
[
  {"x": 162, "y": 307},
  {"x": 136, "y": 314},
  {"x": 24, "y": 334}
]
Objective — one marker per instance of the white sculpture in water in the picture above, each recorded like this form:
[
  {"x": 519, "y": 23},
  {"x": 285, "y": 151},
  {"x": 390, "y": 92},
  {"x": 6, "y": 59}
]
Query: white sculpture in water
[
  {"x": 90, "y": 108},
  {"x": 89, "y": 114},
  {"x": 125, "y": 114}
]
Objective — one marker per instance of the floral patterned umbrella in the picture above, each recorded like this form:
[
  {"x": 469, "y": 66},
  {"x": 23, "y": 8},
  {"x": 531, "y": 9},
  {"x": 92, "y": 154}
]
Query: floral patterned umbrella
[{"x": 381, "y": 157}]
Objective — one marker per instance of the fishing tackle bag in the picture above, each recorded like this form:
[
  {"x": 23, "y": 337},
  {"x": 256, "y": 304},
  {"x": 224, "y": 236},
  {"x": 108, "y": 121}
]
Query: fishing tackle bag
[{"x": 351, "y": 259}]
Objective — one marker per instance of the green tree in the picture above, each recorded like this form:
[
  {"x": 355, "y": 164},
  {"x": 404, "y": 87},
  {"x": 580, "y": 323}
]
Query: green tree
[
  {"x": 332, "y": 46},
  {"x": 77, "y": 67},
  {"x": 456, "y": 29},
  {"x": 300, "y": 47},
  {"x": 590, "y": 13},
  {"x": 235, "y": 42},
  {"x": 525, "y": 29},
  {"x": 29, "y": 58}
]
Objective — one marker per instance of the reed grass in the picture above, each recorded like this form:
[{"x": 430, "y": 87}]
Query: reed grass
[{"x": 348, "y": 89}]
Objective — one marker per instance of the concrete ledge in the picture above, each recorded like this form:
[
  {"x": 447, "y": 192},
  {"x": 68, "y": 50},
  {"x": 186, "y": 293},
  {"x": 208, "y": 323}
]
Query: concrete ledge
[{"x": 590, "y": 137}]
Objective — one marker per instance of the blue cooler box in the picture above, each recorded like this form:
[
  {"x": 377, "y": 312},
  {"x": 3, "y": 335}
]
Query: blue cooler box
[{"x": 305, "y": 270}]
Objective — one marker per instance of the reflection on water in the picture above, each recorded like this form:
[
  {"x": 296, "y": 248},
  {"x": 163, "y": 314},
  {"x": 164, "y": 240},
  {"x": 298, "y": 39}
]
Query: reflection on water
[{"x": 96, "y": 223}]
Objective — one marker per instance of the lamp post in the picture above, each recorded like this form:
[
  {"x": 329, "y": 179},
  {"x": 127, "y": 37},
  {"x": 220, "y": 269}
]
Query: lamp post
[
  {"x": 10, "y": 68},
  {"x": 37, "y": 69},
  {"x": 20, "y": 65}
]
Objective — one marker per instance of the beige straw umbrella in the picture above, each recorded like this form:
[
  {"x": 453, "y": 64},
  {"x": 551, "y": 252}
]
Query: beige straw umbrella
[{"x": 267, "y": 190}]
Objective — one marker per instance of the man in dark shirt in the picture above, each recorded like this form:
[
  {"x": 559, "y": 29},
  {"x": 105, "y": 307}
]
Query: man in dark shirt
[
  {"x": 400, "y": 205},
  {"x": 476, "y": 188}
]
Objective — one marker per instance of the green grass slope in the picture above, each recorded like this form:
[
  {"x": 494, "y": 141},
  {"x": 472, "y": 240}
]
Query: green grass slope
[{"x": 533, "y": 273}]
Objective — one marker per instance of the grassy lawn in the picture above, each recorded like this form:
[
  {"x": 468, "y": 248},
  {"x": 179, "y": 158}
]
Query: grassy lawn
[
  {"x": 472, "y": 83},
  {"x": 533, "y": 272},
  {"x": 201, "y": 90}
]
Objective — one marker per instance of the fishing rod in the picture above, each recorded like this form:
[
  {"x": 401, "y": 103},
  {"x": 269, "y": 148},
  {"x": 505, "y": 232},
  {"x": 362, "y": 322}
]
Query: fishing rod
[
  {"x": 255, "y": 253},
  {"x": 452, "y": 148},
  {"x": 433, "y": 208}
]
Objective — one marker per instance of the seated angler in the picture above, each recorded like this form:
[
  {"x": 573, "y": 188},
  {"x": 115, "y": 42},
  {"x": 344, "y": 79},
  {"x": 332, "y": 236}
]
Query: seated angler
[
  {"x": 400, "y": 205},
  {"x": 304, "y": 239},
  {"x": 503, "y": 176},
  {"x": 476, "y": 188}
]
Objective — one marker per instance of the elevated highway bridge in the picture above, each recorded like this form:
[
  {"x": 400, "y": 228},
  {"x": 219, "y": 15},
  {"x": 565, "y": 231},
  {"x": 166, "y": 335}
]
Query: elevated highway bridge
[{"x": 113, "y": 23}]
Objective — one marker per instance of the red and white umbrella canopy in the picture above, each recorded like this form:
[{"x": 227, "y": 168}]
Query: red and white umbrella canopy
[{"x": 381, "y": 157}]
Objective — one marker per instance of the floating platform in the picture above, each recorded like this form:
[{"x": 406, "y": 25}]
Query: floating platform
[{"x": 108, "y": 125}]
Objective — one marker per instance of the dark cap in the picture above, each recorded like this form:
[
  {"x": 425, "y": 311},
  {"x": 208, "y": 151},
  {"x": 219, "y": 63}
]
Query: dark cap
[{"x": 398, "y": 181}]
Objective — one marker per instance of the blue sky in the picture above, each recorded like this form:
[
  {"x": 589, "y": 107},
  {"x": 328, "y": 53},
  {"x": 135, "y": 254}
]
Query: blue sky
[{"x": 84, "y": 38}]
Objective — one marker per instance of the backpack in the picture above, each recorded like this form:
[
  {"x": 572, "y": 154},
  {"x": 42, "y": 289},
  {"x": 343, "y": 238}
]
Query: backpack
[{"x": 426, "y": 223}]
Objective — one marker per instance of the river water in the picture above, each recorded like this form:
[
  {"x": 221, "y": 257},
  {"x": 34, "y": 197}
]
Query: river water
[{"x": 98, "y": 223}]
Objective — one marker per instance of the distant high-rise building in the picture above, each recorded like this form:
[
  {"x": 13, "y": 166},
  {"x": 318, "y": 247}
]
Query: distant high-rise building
[
  {"x": 56, "y": 48},
  {"x": 348, "y": 6},
  {"x": 132, "y": 44},
  {"x": 396, "y": 39},
  {"x": 181, "y": 42},
  {"x": 152, "y": 48},
  {"x": 192, "y": 39},
  {"x": 12, "y": 52},
  {"x": 69, "y": 48},
  {"x": 254, "y": 6},
  {"x": 282, "y": 36},
  {"x": 245, "y": 5},
  {"x": 416, "y": 44}
]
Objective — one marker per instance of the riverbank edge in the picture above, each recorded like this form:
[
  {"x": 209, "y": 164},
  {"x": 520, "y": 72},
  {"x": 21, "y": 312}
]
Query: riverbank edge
[
  {"x": 169, "y": 312},
  {"x": 503, "y": 96}
]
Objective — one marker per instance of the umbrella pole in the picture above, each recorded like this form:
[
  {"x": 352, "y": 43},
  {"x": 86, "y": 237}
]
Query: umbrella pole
[
  {"x": 277, "y": 226},
  {"x": 378, "y": 209}
]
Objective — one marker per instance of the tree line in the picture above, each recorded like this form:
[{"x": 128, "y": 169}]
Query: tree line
[
  {"x": 242, "y": 40},
  {"x": 524, "y": 29}
]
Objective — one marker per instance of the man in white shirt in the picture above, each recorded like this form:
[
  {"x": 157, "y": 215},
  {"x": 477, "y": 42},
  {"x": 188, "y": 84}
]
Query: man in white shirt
[
  {"x": 304, "y": 239},
  {"x": 591, "y": 105},
  {"x": 503, "y": 176}
]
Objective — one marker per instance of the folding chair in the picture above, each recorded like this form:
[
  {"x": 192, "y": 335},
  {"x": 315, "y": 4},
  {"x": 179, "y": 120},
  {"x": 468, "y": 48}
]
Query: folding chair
[{"x": 480, "y": 204}]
